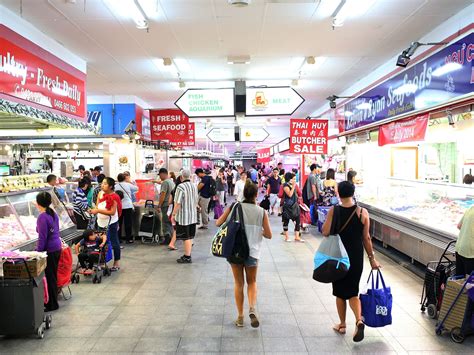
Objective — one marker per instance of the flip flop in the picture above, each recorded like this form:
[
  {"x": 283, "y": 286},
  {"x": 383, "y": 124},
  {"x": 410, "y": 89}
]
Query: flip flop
[
  {"x": 359, "y": 334},
  {"x": 339, "y": 328},
  {"x": 299, "y": 240},
  {"x": 172, "y": 248}
]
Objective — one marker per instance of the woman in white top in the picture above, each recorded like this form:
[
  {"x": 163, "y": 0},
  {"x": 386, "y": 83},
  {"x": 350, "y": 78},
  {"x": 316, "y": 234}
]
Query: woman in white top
[
  {"x": 239, "y": 186},
  {"x": 257, "y": 227},
  {"x": 126, "y": 219},
  {"x": 108, "y": 210}
]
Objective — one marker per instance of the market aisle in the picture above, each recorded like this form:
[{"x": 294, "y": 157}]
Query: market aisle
[{"x": 155, "y": 305}]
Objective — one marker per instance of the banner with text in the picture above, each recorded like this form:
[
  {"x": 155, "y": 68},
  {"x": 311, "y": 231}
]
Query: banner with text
[
  {"x": 443, "y": 76},
  {"x": 409, "y": 130},
  {"x": 309, "y": 136},
  {"x": 171, "y": 125},
  {"x": 263, "y": 155},
  {"x": 29, "y": 73},
  {"x": 189, "y": 141}
]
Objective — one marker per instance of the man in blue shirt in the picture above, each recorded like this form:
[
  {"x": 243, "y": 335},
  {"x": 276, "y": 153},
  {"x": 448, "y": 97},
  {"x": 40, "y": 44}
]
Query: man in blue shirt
[{"x": 204, "y": 196}]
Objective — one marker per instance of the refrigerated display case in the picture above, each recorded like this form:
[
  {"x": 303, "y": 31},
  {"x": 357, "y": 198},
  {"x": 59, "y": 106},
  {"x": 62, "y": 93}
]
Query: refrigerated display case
[
  {"x": 18, "y": 213},
  {"x": 417, "y": 218}
]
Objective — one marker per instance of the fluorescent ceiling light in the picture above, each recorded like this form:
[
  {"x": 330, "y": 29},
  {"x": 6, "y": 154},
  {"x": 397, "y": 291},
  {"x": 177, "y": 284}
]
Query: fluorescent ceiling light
[
  {"x": 296, "y": 63},
  {"x": 406, "y": 89},
  {"x": 350, "y": 8},
  {"x": 308, "y": 68},
  {"x": 364, "y": 106},
  {"x": 447, "y": 68},
  {"x": 165, "y": 65},
  {"x": 182, "y": 65},
  {"x": 129, "y": 9},
  {"x": 238, "y": 59}
]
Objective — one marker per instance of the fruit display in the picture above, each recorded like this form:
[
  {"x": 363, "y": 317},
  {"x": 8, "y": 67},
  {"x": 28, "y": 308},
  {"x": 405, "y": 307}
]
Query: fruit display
[{"x": 432, "y": 205}]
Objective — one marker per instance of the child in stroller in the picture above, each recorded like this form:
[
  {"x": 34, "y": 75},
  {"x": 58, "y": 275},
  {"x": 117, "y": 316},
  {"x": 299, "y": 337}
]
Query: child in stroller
[{"x": 91, "y": 254}]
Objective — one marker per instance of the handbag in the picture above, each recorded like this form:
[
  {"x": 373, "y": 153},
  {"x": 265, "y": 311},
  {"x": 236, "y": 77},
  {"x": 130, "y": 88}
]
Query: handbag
[
  {"x": 331, "y": 261},
  {"x": 291, "y": 208},
  {"x": 218, "y": 211},
  {"x": 376, "y": 302},
  {"x": 224, "y": 240}
]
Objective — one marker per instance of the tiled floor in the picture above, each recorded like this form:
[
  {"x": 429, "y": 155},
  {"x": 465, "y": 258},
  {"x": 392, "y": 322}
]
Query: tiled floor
[{"x": 154, "y": 305}]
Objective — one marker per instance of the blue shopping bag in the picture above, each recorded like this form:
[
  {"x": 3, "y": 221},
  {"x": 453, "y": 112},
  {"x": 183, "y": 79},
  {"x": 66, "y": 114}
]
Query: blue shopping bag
[{"x": 376, "y": 302}]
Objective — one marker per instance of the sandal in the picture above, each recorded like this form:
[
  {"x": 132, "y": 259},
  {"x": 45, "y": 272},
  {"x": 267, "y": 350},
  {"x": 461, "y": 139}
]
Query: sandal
[
  {"x": 115, "y": 268},
  {"x": 172, "y": 248},
  {"x": 359, "y": 334},
  {"x": 299, "y": 240},
  {"x": 239, "y": 322},
  {"x": 341, "y": 329}
]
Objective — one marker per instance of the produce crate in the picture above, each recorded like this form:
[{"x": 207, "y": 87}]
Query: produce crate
[
  {"x": 456, "y": 316},
  {"x": 18, "y": 270}
]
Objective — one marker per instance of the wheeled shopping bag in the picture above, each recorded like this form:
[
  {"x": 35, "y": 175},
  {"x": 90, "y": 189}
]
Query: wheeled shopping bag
[
  {"x": 456, "y": 310},
  {"x": 22, "y": 307}
]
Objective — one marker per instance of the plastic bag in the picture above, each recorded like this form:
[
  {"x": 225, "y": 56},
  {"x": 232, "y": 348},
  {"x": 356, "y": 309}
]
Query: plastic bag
[
  {"x": 376, "y": 302},
  {"x": 331, "y": 262}
]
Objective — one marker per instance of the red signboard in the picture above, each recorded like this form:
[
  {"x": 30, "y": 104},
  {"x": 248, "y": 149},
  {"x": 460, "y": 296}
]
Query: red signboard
[
  {"x": 263, "y": 155},
  {"x": 29, "y": 73},
  {"x": 309, "y": 136},
  {"x": 172, "y": 125},
  {"x": 409, "y": 130}
]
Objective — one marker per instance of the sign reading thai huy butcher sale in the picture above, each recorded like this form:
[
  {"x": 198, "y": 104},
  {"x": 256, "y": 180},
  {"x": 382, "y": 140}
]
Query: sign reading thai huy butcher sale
[
  {"x": 308, "y": 136},
  {"x": 170, "y": 125},
  {"x": 29, "y": 73},
  {"x": 409, "y": 130}
]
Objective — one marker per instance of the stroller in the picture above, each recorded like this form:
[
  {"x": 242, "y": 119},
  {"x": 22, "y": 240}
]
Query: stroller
[
  {"x": 148, "y": 224},
  {"x": 99, "y": 268},
  {"x": 436, "y": 276}
]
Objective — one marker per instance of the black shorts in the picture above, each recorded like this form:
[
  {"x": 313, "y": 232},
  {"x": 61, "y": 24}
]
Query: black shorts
[{"x": 185, "y": 232}]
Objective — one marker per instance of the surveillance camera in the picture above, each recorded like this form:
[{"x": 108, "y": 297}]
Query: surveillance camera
[
  {"x": 403, "y": 60},
  {"x": 332, "y": 104},
  {"x": 129, "y": 127},
  {"x": 450, "y": 118}
]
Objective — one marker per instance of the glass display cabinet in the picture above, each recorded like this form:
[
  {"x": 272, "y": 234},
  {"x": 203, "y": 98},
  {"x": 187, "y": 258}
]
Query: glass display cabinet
[
  {"x": 417, "y": 218},
  {"x": 18, "y": 213}
]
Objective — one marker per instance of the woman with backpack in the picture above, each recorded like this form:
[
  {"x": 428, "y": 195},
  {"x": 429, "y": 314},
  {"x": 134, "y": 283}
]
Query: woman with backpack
[{"x": 257, "y": 227}]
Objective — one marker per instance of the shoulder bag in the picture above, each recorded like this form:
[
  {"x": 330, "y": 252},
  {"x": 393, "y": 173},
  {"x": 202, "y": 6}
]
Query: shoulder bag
[{"x": 331, "y": 261}]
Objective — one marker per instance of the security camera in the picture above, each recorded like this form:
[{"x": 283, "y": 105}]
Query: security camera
[
  {"x": 129, "y": 127},
  {"x": 332, "y": 104}
]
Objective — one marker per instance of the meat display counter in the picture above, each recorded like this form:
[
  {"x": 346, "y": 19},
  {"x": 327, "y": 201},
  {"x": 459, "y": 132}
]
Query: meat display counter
[
  {"x": 18, "y": 213},
  {"x": 417, "y": 218}
]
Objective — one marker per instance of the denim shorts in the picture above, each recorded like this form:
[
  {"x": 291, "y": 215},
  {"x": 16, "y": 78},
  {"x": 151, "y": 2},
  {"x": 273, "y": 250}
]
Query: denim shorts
[{"x": 250, "y": 262}]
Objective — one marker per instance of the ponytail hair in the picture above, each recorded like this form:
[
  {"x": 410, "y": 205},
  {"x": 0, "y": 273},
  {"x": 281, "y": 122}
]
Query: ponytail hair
[{"x": 44, "y": 200}]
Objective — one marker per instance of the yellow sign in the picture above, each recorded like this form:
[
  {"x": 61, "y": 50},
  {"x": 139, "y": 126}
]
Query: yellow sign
[{"x": 260, "y": 100}]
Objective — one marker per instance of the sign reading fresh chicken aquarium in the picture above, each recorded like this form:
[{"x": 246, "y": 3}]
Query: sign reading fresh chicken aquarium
[{"x": 441, "y": 77}]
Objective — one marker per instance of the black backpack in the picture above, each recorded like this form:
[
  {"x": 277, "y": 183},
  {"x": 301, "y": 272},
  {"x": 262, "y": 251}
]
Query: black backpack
[{"x": 212, "y": 187}]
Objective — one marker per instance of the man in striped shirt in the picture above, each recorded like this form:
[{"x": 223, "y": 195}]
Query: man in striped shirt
[{"x": 184, "y": 214}]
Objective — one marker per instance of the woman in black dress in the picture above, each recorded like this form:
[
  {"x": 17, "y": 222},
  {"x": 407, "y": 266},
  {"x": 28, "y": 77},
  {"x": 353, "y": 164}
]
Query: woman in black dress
[{"x": 355, "y": 238}]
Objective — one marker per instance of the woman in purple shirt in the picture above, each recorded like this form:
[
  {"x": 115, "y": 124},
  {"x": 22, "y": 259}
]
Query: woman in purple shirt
[{"x": 47, "y": 226}]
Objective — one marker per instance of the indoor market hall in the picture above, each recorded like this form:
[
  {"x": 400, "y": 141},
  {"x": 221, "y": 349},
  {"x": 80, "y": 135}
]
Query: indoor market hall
[{"x": 236, "y": 176}]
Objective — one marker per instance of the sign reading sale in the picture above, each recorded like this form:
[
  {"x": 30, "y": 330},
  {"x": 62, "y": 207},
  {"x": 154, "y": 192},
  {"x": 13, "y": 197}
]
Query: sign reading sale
[
  {"x": 173, "y": 126},
  {"x": 263, "y": 155},
  {"x": 30, "y": 73},
  {"x": 309, "y": 136}
]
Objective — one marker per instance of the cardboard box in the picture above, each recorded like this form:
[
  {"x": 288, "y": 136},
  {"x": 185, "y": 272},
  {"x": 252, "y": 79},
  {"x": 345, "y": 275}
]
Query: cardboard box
[{"x": 18, "y": 270}]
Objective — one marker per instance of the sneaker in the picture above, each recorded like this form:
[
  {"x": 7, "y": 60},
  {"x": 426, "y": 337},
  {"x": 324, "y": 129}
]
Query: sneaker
[
  {"x": 203, "y": 227},
  {"x": 185, "y": 260},
  {"x": 253, "y": 318}
]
